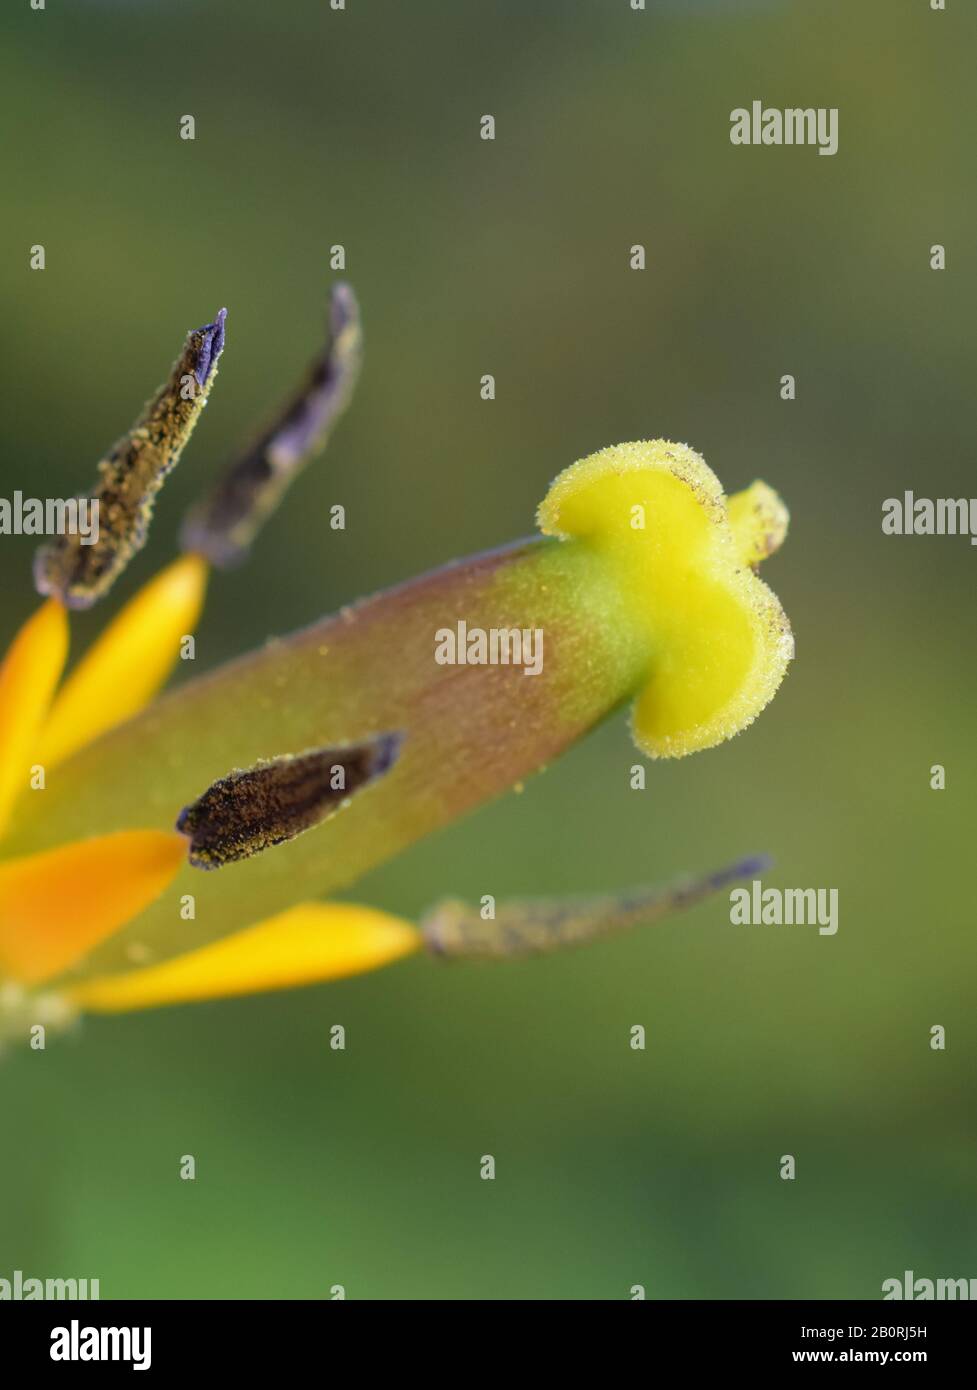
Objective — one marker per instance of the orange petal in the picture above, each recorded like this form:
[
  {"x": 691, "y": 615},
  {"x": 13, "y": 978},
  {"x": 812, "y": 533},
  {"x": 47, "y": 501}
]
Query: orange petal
[
  {"x": 129, "y": 662},
  {"x": 303, "y": 946},
  {"x": 28, "y": 677},
  {"x": 56, "y": 906}
]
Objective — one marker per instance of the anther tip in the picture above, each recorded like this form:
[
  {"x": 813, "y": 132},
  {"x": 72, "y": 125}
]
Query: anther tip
[
  {"x": 749, "y": 868},
  {"x": 387, "y": 752},
  {"x": 342, "y": 306},
  {"x": 211, "y": 347}
]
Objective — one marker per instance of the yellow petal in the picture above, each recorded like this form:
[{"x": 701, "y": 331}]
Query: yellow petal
[
  {"x": 28, "y": 677},
  {"x": 129, "y": 662},
  {"x": 305, "y": 945},
  {"x": 56, "y": 906}
]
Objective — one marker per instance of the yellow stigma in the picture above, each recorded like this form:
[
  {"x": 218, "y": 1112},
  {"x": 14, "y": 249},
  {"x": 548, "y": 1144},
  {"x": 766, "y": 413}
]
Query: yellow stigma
[
  {"x": 759, "y": 520},
  {"x": 718, "y": 640}
]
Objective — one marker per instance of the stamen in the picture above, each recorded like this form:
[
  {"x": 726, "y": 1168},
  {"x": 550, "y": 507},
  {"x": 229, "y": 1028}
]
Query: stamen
[
  {"x": 224, "y": 525},
  {"x": 536, "y": 926},
  {"x": 249, "y": 811},
  {"x": 131, "y": 475}
]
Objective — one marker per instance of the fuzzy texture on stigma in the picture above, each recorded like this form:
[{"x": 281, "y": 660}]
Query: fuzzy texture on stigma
[{"x": 718, "y": 641}]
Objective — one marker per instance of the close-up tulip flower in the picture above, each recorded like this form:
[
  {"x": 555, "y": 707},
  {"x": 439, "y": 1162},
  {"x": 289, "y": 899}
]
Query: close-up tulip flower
[{"x": 164, "y": 849}]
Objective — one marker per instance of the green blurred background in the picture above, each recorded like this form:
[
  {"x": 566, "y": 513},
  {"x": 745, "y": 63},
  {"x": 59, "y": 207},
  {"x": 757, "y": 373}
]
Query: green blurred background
[{"x": 615, "y": 1167}]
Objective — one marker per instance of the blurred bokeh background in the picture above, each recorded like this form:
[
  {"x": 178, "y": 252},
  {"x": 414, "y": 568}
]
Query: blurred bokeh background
[{"x": 361, "y": 127}]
